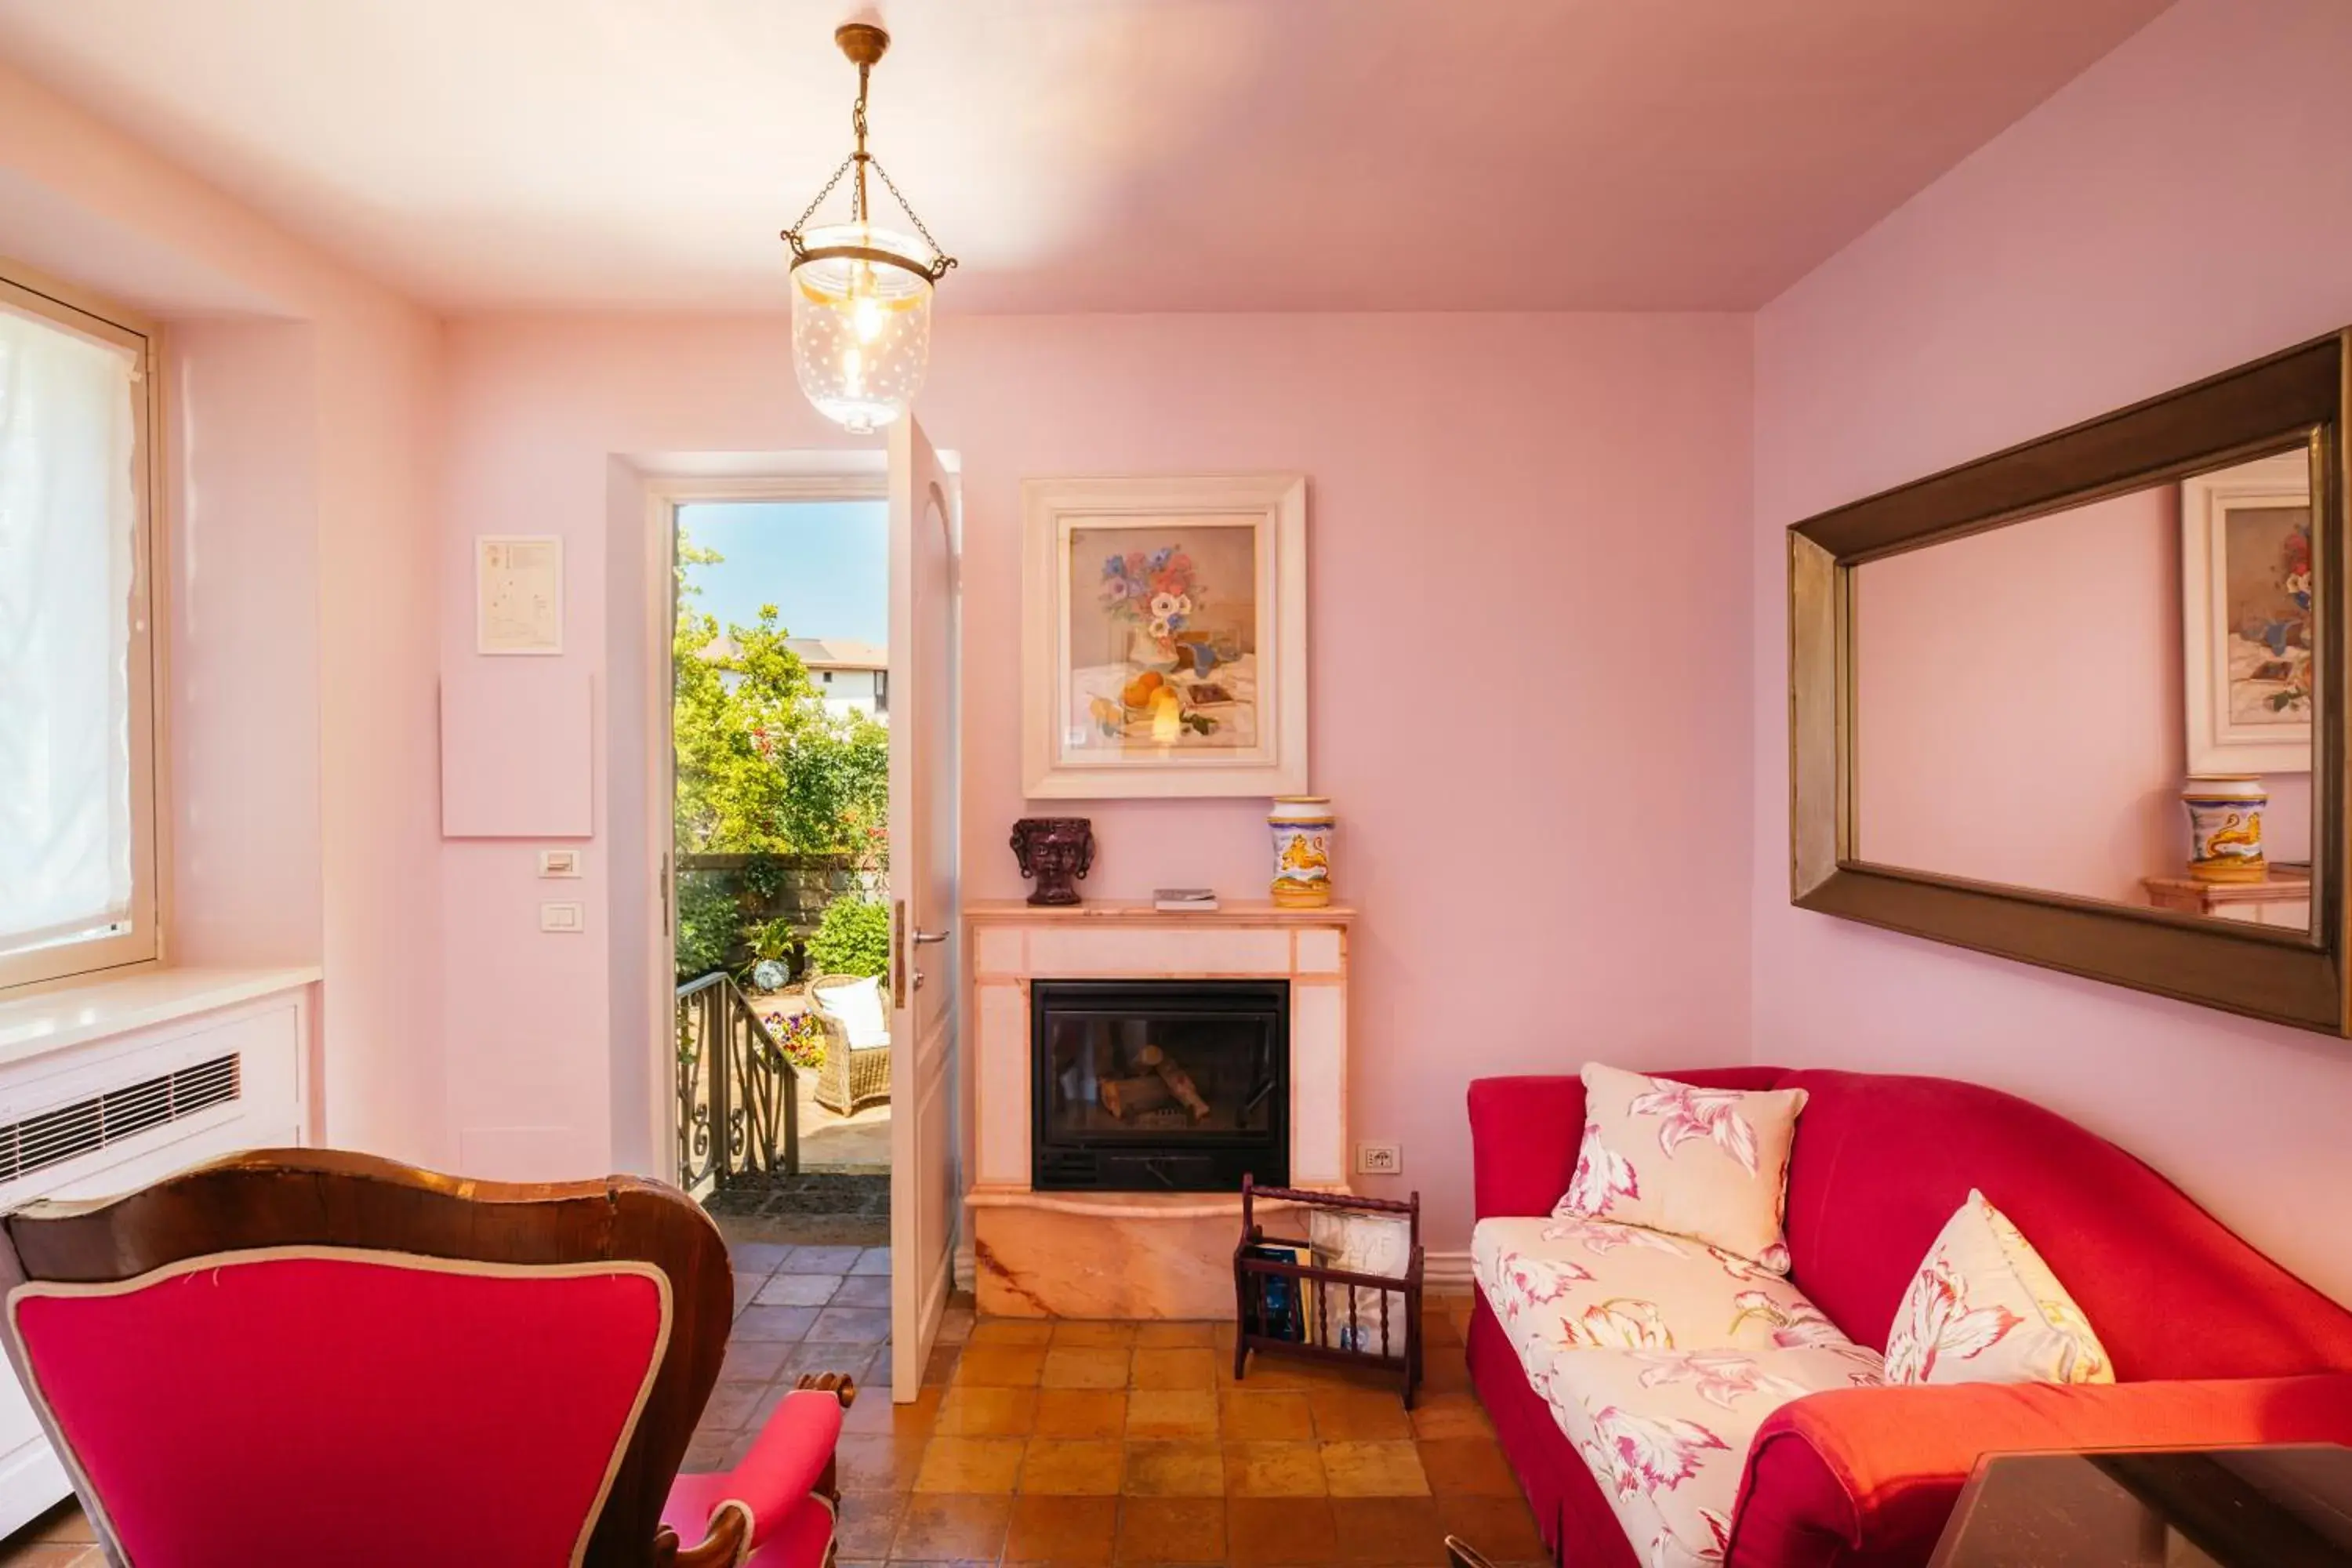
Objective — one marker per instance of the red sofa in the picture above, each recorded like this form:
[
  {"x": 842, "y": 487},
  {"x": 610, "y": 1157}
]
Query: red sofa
[{"x": 2212, "y": 1343}]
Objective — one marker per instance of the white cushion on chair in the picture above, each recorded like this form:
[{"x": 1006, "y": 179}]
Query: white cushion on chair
[{"x": 859, "y": 1005}]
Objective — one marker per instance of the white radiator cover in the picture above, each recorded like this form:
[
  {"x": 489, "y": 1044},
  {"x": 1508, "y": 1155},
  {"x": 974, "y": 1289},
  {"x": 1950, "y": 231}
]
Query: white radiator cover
[{"x": 105, "y": 1113}]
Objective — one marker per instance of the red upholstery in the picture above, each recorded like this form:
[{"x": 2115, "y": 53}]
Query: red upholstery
[
  {"x": 1881, "y": 1162},
  {"x": 802, "y": 1541},
  {"x": 227, "y": 1414},
  {"x": 1867, "y": 1476},
  {"x": 1568, "y": 1505},
  {"x": 790, "y": 1527},
  {"x": 250, "y": 1405}
]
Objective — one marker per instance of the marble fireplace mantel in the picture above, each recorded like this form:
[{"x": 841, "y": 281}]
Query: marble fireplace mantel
[{"x": 1116, "y": 1254}]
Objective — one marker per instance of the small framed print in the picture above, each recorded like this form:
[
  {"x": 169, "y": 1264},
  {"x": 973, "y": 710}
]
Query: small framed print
[
  {"x": 1164, "y": 644},
  {"x": 518, "y": 594},
  {"x": 2248, "y": 630}
]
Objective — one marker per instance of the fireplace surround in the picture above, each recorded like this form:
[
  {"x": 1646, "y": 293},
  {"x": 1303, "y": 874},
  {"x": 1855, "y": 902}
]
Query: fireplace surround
[
  {"x": 1044, "y": 1243},
  {"x": 1158, "y": 1084}
]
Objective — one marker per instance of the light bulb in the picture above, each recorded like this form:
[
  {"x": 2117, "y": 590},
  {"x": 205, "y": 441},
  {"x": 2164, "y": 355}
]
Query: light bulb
[
  {"x": 865, "y": 316},
  {"x": 853, "y": 372}
]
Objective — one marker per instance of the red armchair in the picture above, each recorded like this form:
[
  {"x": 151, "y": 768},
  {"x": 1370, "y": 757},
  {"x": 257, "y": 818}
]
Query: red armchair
[
  {"x": 296, "y": 1356},
  {"x": 2214, "y": 1343}
]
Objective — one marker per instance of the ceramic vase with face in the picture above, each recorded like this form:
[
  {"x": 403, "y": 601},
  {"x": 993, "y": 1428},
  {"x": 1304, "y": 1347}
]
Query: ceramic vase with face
[
  {"x": 1302, "y": 851},
  {"x": 1057, "y": 851},
  {"x": 2225, "y": 827}
]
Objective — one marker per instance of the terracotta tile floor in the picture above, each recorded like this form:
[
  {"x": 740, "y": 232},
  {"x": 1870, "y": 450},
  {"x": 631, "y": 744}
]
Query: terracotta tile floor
[{"x": 1086, "y": 1443}]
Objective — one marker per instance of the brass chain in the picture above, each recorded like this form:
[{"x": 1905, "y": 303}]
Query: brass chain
[
  {"x": 859, "y": 157},
  {"x": 944, "y": 261},
  {"x": 860, "y": 160},
  {"x": 793, "y": 233}
]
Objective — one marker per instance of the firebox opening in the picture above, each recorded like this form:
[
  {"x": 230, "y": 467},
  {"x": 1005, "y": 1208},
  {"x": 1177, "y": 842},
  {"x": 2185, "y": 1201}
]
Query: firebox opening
[{"x": 1159, "y": 1085}]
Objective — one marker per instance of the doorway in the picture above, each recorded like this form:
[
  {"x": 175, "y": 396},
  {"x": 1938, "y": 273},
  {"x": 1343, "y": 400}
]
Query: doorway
[
  {"x": 802, "y": 853},
  {"x": 779, "y": 723}
]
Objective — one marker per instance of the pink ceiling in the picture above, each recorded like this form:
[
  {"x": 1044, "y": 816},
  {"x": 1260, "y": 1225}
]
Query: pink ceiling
[{"x": 1081, "y": 155}]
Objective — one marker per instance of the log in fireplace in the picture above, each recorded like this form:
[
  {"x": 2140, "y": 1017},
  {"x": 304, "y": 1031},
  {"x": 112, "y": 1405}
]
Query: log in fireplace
[{"x": 1159, "y": 1085}]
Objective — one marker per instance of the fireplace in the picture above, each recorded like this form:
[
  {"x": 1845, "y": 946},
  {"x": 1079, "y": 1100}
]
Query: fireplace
[{"x": 1159, "y": 1085}]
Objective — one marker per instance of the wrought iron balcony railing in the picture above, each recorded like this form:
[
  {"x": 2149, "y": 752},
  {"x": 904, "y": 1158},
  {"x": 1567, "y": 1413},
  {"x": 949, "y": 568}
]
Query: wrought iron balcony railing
[{"x": 737, "y": 1114}]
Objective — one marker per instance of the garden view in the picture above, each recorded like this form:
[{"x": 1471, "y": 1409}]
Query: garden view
[{"x": 782, "y": 849}]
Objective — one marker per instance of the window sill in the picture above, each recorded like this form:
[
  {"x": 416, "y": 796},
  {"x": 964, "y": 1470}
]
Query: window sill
[{"x": 59, "y": 1019}]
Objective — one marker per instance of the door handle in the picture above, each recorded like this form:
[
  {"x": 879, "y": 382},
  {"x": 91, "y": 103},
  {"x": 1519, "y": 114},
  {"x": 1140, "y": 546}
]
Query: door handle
[
  {"x": 898, "y": 954},
  {"x": 929, "y": 936}
]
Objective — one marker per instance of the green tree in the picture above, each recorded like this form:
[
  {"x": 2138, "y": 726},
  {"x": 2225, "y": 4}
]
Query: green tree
[{"x": 761, "y": 767}]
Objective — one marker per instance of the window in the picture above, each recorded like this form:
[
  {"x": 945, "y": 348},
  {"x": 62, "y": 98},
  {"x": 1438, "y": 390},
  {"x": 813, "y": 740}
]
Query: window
[{"x": 78, "y": 849}]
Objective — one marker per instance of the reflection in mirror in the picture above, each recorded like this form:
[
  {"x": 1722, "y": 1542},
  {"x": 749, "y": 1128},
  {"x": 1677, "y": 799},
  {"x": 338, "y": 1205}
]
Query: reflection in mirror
[{"x": 2112, "y": 702}]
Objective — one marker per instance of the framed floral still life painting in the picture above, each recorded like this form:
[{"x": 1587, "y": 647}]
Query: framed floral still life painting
[
  {"x": 1164, "y": 639},
  {"x": 2246, "y": 626}
]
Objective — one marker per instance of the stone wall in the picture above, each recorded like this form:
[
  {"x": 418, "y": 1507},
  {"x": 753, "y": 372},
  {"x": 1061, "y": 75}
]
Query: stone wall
[{"x": 797, "y": 887}]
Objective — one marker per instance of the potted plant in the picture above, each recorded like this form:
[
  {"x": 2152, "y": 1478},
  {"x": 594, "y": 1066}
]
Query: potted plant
[{"x": 772, "y": 943}]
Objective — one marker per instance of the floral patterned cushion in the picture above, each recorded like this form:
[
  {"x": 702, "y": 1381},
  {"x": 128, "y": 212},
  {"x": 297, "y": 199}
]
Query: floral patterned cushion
[
  {"x": 1984, "y": 1308},
  {"x": 1560, "y": 1286},
  {"x": 1708, "y": 1163},
  {"x": 1666, "y": 1433},
  {"x": 1660, "y": 1357}
]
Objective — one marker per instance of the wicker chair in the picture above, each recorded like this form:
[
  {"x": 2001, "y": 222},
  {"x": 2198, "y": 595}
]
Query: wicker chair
[{"x": 856, "y": 1070}]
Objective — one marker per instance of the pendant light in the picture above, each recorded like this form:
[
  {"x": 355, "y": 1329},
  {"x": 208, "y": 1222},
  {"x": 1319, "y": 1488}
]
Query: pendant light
[{"x": 861, "y": 293}]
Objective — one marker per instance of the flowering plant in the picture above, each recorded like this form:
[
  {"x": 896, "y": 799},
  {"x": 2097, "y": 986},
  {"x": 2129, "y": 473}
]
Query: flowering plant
[
  {"x": 801, "y": 1037},
  {"x": 1155, "y": 588}
]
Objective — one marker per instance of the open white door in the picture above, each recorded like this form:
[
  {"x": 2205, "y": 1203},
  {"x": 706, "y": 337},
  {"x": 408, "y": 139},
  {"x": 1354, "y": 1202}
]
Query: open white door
[{"x": 924, "y": 530}]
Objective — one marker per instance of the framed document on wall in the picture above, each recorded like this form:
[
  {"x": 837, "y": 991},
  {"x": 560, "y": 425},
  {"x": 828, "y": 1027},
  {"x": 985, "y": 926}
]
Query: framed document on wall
[{"x": 518, "y": 594}]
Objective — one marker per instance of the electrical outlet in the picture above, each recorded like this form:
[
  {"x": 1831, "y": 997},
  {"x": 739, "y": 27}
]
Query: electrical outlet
[
  {"x": 559, "y": 862},
  {"x": 1380, "y": 1159}
]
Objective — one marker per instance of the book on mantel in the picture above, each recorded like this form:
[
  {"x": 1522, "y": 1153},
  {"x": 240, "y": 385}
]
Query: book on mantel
[{"x": 1182, "y": 900}]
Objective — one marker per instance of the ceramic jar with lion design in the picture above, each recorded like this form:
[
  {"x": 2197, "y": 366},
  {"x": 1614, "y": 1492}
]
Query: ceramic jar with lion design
[
  {"x": 1302, "y": 851},
  {"x": 2225, "y": 827}
]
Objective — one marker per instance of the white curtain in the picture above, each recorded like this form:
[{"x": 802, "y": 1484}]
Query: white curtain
[{"x": 67, "y": 558}]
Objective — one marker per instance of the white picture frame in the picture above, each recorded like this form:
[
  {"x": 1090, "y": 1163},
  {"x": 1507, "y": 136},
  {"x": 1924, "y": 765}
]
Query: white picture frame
[
  {"x": 1233, "y": 719},
  {"x": 519, "y": 593},
  {"x": 2218, "y": 743}
]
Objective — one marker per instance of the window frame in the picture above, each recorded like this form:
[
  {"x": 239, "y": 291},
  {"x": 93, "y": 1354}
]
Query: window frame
[{"x": 75, "y": 310}]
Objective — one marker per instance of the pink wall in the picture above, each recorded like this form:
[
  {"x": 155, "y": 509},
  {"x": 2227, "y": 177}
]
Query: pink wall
[
  {"x": 2018, "y": 706},
  {"x": 244, "y": 783},
  {"x": 303, "y": 433},
  {"x": 1527, "y": 633},
  {"x": 2017, "y": 702},
  {"x": 2181, "y": 207}
]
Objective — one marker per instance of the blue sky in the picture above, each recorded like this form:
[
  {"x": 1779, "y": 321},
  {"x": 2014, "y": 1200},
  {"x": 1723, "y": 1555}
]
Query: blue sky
[{"x": 824, "y": 564}]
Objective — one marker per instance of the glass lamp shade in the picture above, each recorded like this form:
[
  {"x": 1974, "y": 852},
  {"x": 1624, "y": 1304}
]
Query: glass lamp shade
[{"x": 862, "y": 328}]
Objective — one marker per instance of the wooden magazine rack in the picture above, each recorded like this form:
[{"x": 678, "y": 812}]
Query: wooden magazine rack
[{"x": 1287, "y": 1308}]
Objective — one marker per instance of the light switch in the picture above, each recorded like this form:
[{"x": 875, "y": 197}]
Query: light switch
[
  {"x": 561, "y": 917},
  {"x": 559, "y": 862}
]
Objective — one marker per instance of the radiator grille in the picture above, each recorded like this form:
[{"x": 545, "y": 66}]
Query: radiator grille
[{"x": 56, "y": 1136}]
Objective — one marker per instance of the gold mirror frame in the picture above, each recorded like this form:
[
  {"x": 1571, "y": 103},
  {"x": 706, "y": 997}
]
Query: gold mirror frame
[{"x": 2294, "y": 977}]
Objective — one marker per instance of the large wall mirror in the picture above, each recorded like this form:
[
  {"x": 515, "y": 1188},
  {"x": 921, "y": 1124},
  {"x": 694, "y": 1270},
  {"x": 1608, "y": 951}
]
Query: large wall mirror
[{"x": 2081, "y": 702}]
